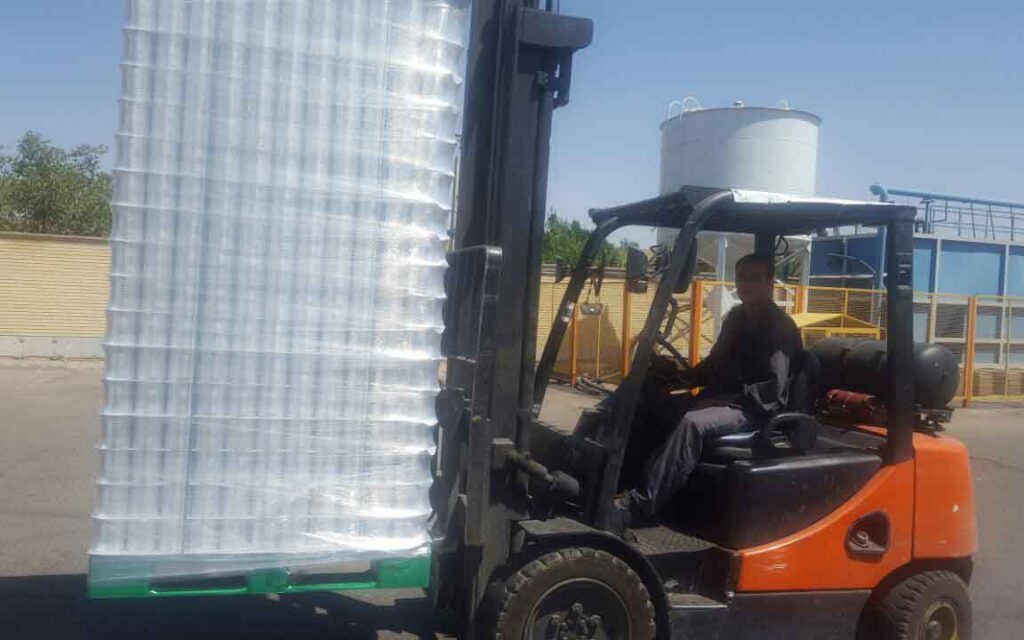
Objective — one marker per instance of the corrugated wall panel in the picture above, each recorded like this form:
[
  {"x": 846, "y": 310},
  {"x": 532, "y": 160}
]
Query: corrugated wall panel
[{"x": 53, "y": 285}]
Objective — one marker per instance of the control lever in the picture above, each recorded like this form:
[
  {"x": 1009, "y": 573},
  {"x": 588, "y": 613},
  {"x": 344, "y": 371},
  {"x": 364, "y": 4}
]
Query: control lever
[{"x": 555, "y": 484}]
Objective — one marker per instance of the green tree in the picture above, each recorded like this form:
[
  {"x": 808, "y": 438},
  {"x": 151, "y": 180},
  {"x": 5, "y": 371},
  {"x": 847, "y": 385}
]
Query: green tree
[
  {"x": 564, "y": 240},
  {"x": 46, "y": 189}
]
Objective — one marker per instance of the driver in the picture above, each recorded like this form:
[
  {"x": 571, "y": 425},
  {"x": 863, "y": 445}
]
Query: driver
[{"x": 746, "y": 378}]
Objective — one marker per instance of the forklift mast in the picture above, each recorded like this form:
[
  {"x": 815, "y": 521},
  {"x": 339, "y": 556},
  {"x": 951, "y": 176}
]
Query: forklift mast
[
  {"x": 519, "y": 71},
  {"x": 519, "y": 68}
]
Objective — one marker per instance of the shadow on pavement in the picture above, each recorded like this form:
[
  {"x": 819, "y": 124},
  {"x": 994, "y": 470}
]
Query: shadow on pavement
[{"x": 55, "y": 606}]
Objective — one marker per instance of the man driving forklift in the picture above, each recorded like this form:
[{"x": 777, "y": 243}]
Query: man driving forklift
[
  {"x": 745, "y": 379},
  {"x": 818, "y": 523}
]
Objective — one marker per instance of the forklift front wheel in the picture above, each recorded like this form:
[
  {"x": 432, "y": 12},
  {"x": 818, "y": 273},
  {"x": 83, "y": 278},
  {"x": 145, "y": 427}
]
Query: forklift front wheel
[
  {"x": 573, "y": 593},
  {"x": 933, "y": 605}
]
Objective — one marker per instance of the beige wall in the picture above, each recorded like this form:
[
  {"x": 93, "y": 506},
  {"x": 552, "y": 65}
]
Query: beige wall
[{"x": 53, "y": 295}]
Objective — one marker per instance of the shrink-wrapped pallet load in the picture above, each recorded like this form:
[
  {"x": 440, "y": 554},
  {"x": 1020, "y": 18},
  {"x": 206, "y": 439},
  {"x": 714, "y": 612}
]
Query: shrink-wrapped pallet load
[{"x": 283, "y": 185}]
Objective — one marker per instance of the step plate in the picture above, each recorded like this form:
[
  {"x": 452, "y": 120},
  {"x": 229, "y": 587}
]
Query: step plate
[{"x": 654, "y": 541}]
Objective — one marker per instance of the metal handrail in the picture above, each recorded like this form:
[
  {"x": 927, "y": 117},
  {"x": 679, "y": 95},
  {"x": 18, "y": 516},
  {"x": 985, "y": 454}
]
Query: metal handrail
[{"x": 962, "y": 216}]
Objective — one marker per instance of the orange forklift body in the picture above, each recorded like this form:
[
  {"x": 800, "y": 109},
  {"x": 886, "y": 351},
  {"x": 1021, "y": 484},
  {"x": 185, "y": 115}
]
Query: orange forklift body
[{"x": 929, "y": 502}]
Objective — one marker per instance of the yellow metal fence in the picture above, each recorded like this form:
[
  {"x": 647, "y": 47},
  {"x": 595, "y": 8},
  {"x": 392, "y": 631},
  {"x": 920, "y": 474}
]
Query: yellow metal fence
[
  {"x": 56, "y": 286},
  {"x": 985, "y": 333}
]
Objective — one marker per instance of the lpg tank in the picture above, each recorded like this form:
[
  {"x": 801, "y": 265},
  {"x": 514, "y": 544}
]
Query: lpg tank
[{"x": 862, "y": 365}]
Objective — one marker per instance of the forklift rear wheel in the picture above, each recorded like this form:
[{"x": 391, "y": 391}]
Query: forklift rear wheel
[
  {"x": 928, "y": 606},
  {"x": 574, "y": 593}
]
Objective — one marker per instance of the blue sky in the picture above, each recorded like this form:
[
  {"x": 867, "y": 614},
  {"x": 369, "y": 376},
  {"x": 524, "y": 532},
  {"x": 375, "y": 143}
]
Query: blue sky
[
  {"x": 917, "y": 94},
  {"x": 920, "y": 94}
]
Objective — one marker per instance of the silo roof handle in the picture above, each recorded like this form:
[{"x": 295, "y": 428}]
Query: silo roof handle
[{"x": 682, "y": 105}]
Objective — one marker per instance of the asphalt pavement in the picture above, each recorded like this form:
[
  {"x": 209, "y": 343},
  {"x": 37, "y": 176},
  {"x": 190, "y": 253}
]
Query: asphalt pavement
[{"x": 48, "y": 463}]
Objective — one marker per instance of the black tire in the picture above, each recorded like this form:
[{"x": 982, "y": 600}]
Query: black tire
[
  {"x": 927, "y": 606},
  {"x": 610, "y": 600}
]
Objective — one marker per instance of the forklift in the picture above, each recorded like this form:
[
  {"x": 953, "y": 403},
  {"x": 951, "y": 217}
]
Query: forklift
[{"x": 847, "y": 515}]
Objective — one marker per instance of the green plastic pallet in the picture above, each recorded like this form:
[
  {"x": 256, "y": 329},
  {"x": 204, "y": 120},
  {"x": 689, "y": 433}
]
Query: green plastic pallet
[{"x": 106, "y": 581}]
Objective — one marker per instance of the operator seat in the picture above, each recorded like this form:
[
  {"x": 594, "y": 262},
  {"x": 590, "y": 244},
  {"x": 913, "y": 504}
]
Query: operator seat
[
  {"x": 790, "y": 431},
  {"x": 753, "y": 488}
]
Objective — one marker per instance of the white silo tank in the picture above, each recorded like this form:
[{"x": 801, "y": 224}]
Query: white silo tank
[{"x": 760, "y": 148}]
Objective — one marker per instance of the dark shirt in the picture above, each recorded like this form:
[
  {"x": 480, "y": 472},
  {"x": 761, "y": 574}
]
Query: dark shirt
[{"x": 749, "y": 366}]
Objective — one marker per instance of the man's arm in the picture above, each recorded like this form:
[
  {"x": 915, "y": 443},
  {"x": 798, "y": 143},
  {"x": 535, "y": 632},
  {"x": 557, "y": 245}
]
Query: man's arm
[{"x": 700, "y": 375}]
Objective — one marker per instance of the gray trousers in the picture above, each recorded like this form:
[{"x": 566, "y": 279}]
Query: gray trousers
[{"x": 671, "y": 465}]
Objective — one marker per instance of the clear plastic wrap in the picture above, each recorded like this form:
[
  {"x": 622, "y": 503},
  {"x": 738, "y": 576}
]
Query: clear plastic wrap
[{"x": 282, "y": 189}]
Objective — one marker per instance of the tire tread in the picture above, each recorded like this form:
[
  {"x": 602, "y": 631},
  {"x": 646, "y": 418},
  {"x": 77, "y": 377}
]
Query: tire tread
[
  {"x": 515, "y": 584},
  {"x": 897, "y": 607}
]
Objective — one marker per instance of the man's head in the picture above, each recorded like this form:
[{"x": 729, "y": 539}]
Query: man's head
[{"x": 755, "y": 275}]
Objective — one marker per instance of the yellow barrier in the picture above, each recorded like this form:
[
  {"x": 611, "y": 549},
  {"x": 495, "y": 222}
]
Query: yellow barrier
[
  {"x": 984, "y": 333},
  {"x": 995, "y": 342},
  {"x": 55, "y": 286}
]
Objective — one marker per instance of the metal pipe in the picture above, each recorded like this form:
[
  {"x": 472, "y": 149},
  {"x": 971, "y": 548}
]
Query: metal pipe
[
  {"x": 845, "y": 276},
  {"x": 880, "y": 243},
  {"x": 696, "y": 315},
  {"x": 849, "y": 258},
  {"x": 627, "y": 311},
  {"x": 574, "y": 352},
  {"x": 900, "y": 340},
  {"x": 883, "y": 191},
  {"x": 972, "y": 334}
]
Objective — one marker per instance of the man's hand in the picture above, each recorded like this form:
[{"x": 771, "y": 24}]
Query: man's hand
[{"x": 685, "y": 379}]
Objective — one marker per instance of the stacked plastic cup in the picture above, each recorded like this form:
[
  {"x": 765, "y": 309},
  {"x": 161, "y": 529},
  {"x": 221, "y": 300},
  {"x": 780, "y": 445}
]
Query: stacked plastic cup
[{"x": 282, "y": 190}]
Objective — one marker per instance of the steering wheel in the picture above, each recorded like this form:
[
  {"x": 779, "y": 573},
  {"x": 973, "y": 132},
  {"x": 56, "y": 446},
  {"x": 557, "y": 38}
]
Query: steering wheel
[
  {"x": 663, "y": 342},
  {"x": 680, "y": 359}
]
